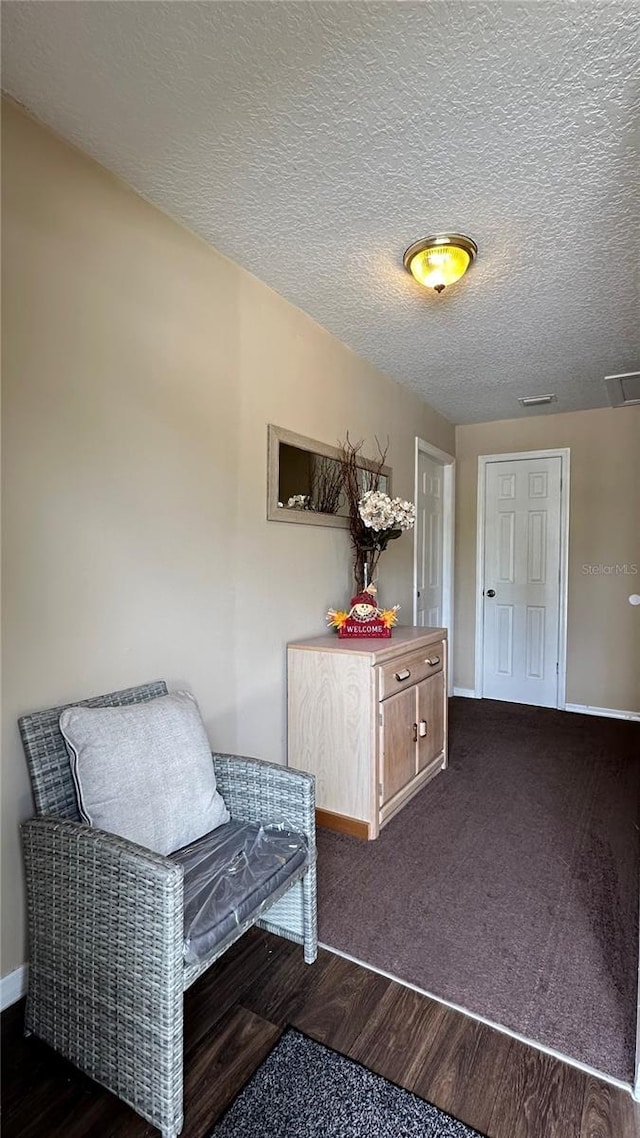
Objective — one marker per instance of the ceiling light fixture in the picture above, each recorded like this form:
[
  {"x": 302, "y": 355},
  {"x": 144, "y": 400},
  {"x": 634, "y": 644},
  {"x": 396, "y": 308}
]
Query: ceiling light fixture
[{"x": 438, "y": 261}]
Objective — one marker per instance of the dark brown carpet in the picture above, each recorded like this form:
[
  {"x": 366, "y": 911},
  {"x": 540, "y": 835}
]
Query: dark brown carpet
[{"x": 510, "y": 884}]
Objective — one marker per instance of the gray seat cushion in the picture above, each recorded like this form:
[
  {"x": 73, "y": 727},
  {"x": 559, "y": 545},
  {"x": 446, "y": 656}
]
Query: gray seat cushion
[{"x": 228, "y": 874}]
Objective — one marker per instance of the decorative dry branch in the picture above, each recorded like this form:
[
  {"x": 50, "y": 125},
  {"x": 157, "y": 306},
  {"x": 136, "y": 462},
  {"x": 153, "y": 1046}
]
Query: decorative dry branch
[
  {"x": 359, "y": 475},
  {"x": 326, "y": 483}
]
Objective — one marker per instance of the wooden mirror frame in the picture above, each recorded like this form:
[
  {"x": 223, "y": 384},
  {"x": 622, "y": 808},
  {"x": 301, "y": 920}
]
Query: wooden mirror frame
[{"x": 276, "y": 513}]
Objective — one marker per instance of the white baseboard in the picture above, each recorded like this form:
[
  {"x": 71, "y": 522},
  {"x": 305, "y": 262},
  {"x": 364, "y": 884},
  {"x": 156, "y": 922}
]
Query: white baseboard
[
  {"x": 13, "y": 986},
  {"x": 607, "y": 712},
  {"x": 582, "y": 708}
]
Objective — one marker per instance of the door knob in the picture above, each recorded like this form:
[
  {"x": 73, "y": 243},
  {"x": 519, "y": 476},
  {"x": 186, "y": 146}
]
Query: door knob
[{"x": 491, "y": 592}]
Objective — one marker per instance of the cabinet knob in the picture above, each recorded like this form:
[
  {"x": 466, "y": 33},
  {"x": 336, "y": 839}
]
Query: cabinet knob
[
  {"x": 403, "y": 675},
  {"x": 415, "y": 732},
  {"x": 432, "y": 661}
]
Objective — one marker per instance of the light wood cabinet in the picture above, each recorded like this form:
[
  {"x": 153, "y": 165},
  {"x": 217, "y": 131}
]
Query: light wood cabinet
[{"x": 369, "y": 719}]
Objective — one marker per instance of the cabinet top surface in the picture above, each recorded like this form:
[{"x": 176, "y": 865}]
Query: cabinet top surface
[{"x": 401, "y": 640}]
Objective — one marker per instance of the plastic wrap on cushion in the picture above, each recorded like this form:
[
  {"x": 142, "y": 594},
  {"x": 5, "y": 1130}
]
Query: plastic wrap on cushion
[{"x": 230, "y": 875}]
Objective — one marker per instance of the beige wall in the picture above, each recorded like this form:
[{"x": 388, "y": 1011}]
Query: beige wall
[
  {"x": 603, "y": 639},
  {"x": 140, "y": 371}
]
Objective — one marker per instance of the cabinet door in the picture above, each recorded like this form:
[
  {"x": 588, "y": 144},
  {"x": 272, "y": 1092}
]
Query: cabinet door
[
  {"x": 430, "y": 719},
  {"x": 397, "y": 741}
]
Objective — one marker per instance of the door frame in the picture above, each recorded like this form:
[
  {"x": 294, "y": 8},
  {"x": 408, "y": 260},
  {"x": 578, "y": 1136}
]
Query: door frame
[
  {"x": 564, "y": 454},
  {"x": 636, "y": 1081},
  {"x": 448, "y": 463}
]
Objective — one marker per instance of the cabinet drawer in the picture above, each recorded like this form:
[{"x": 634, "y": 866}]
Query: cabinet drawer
[{"x": 410, "y": 669}]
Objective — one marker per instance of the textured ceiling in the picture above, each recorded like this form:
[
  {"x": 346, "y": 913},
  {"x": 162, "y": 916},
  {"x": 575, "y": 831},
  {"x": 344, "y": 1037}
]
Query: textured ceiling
[{"x": 312, "y": 142}]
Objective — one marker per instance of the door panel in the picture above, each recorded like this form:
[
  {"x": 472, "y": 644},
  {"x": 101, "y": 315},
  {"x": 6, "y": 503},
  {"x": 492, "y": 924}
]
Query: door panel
[
  {"x": 398, "y": 746},
  {"x": 506, "y": 547},
  {"x": 504, "y": 637},
  {"x": 430, "y": 712},
  {"x": 535, "y": 639},
  {"x": 537, "y": 548},
  {"x": 522, "y": 569}
]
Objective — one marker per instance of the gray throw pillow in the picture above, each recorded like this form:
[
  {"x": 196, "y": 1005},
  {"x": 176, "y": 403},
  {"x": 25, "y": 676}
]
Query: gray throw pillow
[{"x": 145, "y": 771}]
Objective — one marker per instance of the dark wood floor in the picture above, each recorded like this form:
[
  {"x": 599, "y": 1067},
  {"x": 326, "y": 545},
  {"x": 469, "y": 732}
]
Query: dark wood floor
[{"x": 236, "y": 1012}]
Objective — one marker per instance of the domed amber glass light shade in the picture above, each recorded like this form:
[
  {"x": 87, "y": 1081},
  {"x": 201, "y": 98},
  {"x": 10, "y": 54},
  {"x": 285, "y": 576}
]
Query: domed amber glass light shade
[{"x": 436, "y": 262}]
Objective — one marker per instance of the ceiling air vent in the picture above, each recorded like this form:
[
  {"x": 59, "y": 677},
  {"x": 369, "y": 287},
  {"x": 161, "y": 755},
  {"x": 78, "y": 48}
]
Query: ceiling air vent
[
  {"x": 623, "y": 389},
  {"x": 537, "y": 400}
]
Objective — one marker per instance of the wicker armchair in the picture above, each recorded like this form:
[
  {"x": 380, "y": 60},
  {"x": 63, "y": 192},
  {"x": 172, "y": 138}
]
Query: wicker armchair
[{"x": 107, "y": 972}]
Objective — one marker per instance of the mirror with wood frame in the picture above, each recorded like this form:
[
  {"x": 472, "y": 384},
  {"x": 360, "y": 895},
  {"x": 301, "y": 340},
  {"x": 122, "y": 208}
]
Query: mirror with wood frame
[{"x": 304, "y": 480}]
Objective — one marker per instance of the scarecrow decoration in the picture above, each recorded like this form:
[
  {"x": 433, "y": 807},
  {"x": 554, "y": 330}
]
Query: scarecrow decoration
[{"x": 364, "y": 618}]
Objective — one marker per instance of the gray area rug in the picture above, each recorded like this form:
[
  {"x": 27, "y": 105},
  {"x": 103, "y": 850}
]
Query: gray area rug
[
  {"x": 305, "y": 1090},
  {"x": 509, "y": 885}
]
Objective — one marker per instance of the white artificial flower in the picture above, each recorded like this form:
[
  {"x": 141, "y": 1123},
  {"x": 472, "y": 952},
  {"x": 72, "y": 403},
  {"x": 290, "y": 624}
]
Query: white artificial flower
[
  {"x": 379, "y": 512},
  {"x": 404, "y": 513}
]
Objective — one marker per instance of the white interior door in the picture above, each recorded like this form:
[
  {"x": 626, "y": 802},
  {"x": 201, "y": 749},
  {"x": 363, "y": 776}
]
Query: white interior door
[
  {"x": 521, "y": 604},
  {"x": 429, "y": 536}
]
